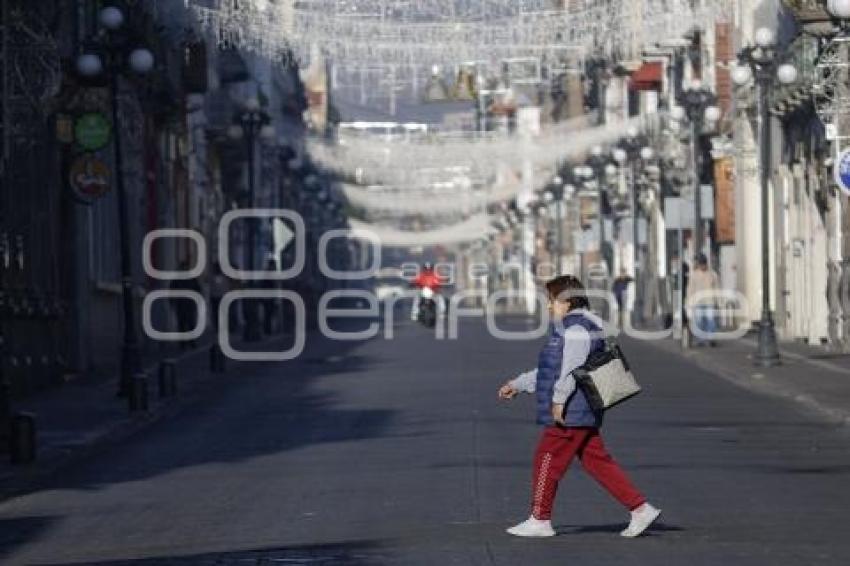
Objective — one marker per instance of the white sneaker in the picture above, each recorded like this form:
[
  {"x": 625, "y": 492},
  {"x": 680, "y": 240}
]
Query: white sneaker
[
  {"x": 642, "y": 517},
  {"x": 532, "y": 527}
]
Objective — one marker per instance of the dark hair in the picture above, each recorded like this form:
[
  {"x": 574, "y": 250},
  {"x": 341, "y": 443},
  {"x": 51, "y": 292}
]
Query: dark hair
[
  {"x": 701, "y": 259},
  {"x": 570, "y": 288}
]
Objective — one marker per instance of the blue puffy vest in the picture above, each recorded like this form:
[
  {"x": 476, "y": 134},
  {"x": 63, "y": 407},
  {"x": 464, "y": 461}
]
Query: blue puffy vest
[{"x": 578, "y": 412}]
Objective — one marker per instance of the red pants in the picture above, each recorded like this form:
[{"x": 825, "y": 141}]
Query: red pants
[{"x": 555, "y": 451}]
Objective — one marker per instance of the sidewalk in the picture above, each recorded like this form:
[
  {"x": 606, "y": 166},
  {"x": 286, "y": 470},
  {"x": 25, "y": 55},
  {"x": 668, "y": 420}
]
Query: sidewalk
[
  {"x": 815, "y": 379},
  {"x": 75, "y": 419}
]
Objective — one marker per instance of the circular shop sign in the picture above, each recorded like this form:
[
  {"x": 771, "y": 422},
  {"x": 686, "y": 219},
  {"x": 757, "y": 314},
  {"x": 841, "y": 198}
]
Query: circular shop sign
[
  {"x": 89, "y": 177},
  {"x": 842, "y": 171},
  {"x": 92, "y": 131}
]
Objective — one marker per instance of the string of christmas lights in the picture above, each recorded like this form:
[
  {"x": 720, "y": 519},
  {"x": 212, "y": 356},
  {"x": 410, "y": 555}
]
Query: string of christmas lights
[
  {"x": 400, "y": 163},
  {"x": 471, "y": 229},
  {"x": 440, "y": 31}
]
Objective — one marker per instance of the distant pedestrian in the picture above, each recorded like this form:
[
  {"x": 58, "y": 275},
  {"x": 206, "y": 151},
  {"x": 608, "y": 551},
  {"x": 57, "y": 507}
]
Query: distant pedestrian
[
  {"x": 619, "y": 288},
  {"x": 571, "y": 426},
  {"x": 219, "y": 286},
  {"x": 185, "y": 309},
  {"x": 703, "y": 285}
]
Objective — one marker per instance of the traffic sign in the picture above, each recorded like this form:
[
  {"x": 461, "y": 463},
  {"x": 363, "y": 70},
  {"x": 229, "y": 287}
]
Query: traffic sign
[
  {"x": 92, "y": 131},
  {"x": 842, "y": 171},
  {"x": 89, "y": 178},
  {"x": 282, "y": 236}
]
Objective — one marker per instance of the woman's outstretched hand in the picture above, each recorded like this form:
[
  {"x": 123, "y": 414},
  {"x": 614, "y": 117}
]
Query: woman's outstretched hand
[{"x": 507, "y": 391}]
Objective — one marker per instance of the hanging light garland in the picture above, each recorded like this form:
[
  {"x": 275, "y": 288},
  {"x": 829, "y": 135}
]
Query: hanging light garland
[
  {"x": 473, "y": 228},
  {"x": 401, "y": 36},
  {"x": 448, "y": 31},
  {"x": 373, "y": 160}
]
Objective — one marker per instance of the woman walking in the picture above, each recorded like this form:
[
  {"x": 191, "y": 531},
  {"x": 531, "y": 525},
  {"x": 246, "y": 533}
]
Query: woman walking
[{"x": 571, "y": 427}]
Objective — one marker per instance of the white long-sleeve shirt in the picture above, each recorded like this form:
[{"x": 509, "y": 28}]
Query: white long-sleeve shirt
[{"x": 576, "y": 349}]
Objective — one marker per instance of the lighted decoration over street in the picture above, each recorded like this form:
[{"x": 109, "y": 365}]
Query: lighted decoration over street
[
  {"x": 411, "y": 44},
  {"x": 403, "y": 34}
]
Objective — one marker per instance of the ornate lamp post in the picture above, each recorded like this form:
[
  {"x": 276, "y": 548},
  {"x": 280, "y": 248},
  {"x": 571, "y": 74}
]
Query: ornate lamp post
[
  {"x": 633, "y": 151},
  {"x": 249, "y": 124},
  {"x": 111, "y": 52},
  {"x": 601, "y": 167},
  {"x": 698, "y": 106},
  {"x": 762, "y": 61},
  {"x": 555, "y": 193}
]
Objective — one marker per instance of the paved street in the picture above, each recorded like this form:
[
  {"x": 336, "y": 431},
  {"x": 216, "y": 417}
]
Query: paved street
[{"x": 398, "y": 452}]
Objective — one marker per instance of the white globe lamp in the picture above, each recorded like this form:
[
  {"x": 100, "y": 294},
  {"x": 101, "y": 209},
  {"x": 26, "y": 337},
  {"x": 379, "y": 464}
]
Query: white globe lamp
[
  {"x": 235, "y": 132},
  {"x": 89, "y": 65},
  {"x": 252, "y": 104},
  {"x": 765, "y": 38},
  {"x": 141, "y": 61},
  {"x": 839, "y": 8},
  {"x": 742, "y": 75},
  {"x": 111, "y": 18},
  {"x": 712, "y": 114},
  {"x": 268, "y": 133},
  {"x": 787, "y": 74}
]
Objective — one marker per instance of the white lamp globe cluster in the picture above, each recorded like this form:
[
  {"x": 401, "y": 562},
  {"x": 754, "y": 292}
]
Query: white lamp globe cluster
[
  {"x": 140, "y": 60},
  {"x": 765, "y": 38}
]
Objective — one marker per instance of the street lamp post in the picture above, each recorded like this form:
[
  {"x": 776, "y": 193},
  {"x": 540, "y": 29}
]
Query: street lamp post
[
  {"x": 598, "y": 162},
  {"x": 698, "y": 104},
  {"x": 597, "y": 69},
  {"x": 556, "y": 193},
  {"x": 633, "y": 151},
  {"x": 763, "y": 62},
  {"x": 114, "y": 49},
  {"x": 250, "y": 123}
]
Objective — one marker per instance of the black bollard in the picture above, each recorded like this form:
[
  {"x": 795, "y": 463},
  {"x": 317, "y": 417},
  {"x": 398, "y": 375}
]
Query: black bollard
[
  {"x": 217, "y": 361},
  {"x": 22, "y": 446},
  {"x": 167, "y": 378},
  {"x": 138, "y": 398}
]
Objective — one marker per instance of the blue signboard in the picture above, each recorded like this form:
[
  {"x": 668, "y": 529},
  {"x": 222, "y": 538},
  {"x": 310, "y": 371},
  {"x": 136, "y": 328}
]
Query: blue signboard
[{"x": 842, "y": 171}]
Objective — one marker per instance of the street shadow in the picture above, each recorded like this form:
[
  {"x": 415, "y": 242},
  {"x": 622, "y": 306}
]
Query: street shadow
[
  {"x": 826, "y": 470},
  {"x": 360, "y": 553},
  {"x": 656, "y": 529},
  {"x": 20, "y": 531},
  {"x": 255, "y": 410}
]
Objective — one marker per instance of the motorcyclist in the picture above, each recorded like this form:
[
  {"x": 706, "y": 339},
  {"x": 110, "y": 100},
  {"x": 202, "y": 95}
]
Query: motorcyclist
[{"x": 427, "y": 279}]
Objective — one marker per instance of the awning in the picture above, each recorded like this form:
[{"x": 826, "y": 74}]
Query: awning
[{"x": 648, "y": 77}]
